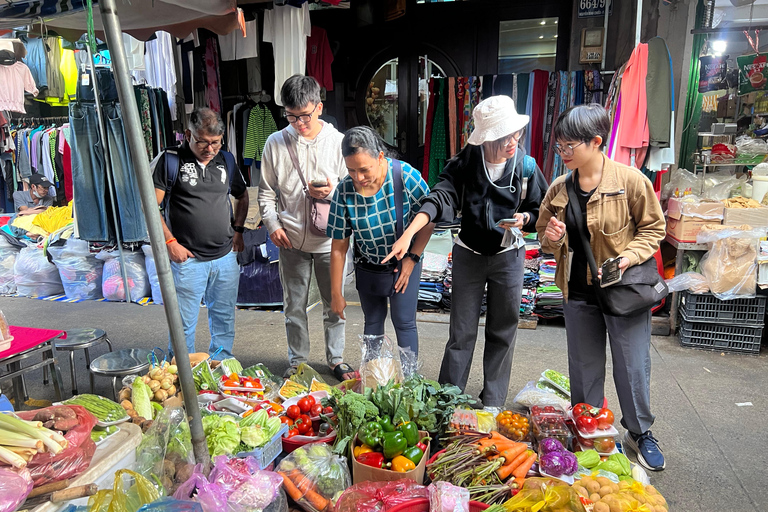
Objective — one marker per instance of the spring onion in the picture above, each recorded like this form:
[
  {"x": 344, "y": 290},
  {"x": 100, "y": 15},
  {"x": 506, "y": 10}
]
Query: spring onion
[
  {"x": 12, "y": 423},
  {"x": 11, "y": 458}
]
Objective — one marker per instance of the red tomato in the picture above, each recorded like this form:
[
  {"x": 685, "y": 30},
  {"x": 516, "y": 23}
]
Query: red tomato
[
  {"x": 312, "y": 400},
  {"x": 581, "y": 410},
  {"x": 586, "y": 443},
  {"x": 293, "y": 412},
  {"x": 604, "y": 444},
  {"x": 604, "y": 419},
  {"x": 315, "y": 410},
  {"x": 286, "y": 419},
  {"x": 304, "y": 404},
  {"x": 291, "y": 432},
  {"x": 328, "y": 410},
  {"x": 549, "y": 409},
  {"x": 304, "y": 424},
  {"x": 586, "y": 424}
]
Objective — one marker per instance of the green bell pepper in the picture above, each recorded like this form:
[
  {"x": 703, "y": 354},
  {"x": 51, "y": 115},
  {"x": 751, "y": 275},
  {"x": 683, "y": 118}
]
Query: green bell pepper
[
  {"x": 414, "y": 454},
  {"x": 394, "y": 444},
  {"x": 386, "y": 424},
  {"x": 410, "y": 432},
  {"x": 370, "y": 434}
]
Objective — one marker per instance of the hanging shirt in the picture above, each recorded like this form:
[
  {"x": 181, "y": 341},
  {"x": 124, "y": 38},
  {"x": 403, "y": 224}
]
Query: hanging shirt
[
  {"x": 134, "y": 52},
  {"x": 15, "y": 80},
  {"x": 234, "y": 46},
  {"x": 287, "y": 29},
  {"x": 261, "y": 125},
  {"x": 160, "y": 69},
  {"x": 35, "y": 59},
  {"x": 319, "y": 58}
]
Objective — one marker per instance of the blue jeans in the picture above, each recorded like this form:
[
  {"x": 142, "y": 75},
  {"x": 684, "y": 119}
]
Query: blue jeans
[
  {"x": 403, "y": 307},
  {"x": 215, "y": 282}
]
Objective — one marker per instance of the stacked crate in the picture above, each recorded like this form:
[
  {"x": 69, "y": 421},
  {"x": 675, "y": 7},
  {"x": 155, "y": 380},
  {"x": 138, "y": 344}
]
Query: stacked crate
[{"x": 725, "y": 325}]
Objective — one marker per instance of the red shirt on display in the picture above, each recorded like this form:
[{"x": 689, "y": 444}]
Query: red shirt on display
[{"x": 319, "y": 58}]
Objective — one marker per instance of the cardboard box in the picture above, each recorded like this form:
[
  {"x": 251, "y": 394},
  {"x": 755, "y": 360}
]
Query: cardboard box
[
  {"x": 755, "y": 217},
  {"x": 686, "y": 228},
  {"x": 685, "y": 220},
  {"x": 363, "y": 473}
]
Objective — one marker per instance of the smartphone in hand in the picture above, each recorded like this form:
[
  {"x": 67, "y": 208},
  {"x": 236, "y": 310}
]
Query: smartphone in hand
[
  {"x": 318, "y": 183},
  {"x": 611, "y": 272}
]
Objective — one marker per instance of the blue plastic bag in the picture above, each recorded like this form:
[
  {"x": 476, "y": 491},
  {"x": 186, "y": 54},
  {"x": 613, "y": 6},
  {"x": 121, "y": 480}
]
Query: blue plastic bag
[{"x": 172, "y": 505}]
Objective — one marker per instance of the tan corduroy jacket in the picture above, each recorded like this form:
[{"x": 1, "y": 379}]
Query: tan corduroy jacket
[{"x": 624, "y": 219}]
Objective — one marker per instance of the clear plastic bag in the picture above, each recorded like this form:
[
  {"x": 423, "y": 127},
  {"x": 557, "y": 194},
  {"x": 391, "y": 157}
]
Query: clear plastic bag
[
  {"x": 446, "y": 497},
  {"x": 730, "y": 266},
  {"x": 545, "y": 495},
  {"x": 721, "y": 187},
  {"x": 379, "y": 496},
  {"x": 34, "y": 275},
  {"x": 260, "y": 491},
  {"x": 681, "y": 180},
  {"x": 380, "y": 362},
  {"x": 5, "y": 332},
  {"x": 8, "y": 254},
  {"x": 409, "y": 360},
  {"x": 154, "y": 282},
  {"x": 314, "y": 477},
  {"x": 691, "y": 281},
  {"x": 15, "y": 486},
  {"x": 172, "y": 505},
  {"x": 130, "y": 492},
  {"x": 79, "y": 270},
  {"x": 210, "y": 496},
  {"x": 750, "y": 146},
  {"x": 165, "y": 454},
  {"x": 532, "y": 395},
  {"x": 112, "y": 279}
]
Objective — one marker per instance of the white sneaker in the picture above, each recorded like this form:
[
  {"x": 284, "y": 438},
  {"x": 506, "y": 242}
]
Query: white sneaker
[{"x": 493, "y": 410}]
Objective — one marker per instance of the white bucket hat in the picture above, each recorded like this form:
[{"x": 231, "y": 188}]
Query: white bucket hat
[{"x": 496, "y": 117}]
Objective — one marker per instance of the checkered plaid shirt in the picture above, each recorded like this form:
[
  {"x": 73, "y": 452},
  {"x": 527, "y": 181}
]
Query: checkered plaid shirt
[{"x": 373, "y": 219}]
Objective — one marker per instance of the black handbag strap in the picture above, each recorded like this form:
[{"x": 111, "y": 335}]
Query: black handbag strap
[
  {"x": 295, "y": 160},
  {"x": 581, "y": 225}
]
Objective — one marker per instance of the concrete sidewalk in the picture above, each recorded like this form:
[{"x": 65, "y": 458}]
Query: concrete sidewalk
[{"x": 715, "y": 449}]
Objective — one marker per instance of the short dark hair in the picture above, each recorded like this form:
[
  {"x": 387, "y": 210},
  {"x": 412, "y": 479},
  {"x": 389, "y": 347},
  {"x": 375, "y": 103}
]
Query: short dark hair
[
  {"x": 362, "y": 138},
  {"x": 205, "y": 121},
  {"x": 583, "y": 123},
  {"x": 299, "y": 91}
]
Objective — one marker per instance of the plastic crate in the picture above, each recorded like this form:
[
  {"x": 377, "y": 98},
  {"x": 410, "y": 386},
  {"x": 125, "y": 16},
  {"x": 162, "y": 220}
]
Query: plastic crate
[
  {"x": 269, "y": 452},
  {"x": 731, "y": 338},
  {"x": 706, "y": 307}
]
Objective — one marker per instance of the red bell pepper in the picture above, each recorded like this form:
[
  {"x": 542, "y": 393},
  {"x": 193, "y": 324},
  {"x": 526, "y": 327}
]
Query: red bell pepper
[
  {"x": 372, "y": 459},
  {"x": 423, "y": 443}
]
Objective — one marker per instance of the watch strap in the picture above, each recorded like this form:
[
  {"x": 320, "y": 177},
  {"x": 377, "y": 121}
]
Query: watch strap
[{"x": 414, "y": 257}]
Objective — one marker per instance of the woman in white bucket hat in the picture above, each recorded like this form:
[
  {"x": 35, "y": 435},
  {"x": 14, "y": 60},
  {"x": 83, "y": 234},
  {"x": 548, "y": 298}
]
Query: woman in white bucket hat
[{"x": 497, "y": 189}]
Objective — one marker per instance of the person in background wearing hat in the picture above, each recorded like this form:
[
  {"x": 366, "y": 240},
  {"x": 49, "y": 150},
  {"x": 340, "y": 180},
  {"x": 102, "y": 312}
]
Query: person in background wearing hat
[
  {"x": 36, "y": 197},
  {"x": 497, "y": 190}
]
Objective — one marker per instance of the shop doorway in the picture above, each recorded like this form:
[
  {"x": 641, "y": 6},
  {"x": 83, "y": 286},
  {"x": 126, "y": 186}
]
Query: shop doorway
[{"x": 393, "y": 93}]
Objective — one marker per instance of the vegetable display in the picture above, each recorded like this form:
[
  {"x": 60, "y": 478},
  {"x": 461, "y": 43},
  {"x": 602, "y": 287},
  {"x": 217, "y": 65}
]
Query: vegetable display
[
  {"x": 21, "y": 440},
  {"x": 225, "y": 435},
  {"x": 555, "y": 460},
  {"x": 590, "y": 419},
  {"x": 314, "y": 477},
  {"x": 515, "y": 426},
  {"x": 607, "y": 496},
  {"x": 104, "y": 409}
]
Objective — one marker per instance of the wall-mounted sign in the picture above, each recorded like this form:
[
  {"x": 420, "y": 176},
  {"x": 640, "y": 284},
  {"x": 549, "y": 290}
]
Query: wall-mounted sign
[
  {"x": 753, "y": 72},
  {"x": 594, "y": 8},
  {"x": 591, "y": 45},
  {"x": 712, "y": 73}
]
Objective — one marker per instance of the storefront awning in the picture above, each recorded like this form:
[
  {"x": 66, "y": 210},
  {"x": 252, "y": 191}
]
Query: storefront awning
[{"x": 140, "y": 18}]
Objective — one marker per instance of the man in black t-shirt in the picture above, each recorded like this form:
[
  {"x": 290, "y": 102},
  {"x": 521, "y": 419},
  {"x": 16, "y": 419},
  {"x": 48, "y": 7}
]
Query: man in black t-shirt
[{"x": 199, "y": 228}]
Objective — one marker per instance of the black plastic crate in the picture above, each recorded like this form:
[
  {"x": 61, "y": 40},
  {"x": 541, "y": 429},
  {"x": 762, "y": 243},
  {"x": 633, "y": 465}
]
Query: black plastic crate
[
  {"x": 730, "y": 338},
  {"x": 705, "y": 307}
]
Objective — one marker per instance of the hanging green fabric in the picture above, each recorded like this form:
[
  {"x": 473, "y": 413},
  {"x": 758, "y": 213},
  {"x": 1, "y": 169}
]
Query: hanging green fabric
[
  {"x": 693, "y": 103},
  {"x": 438, "y": 148},
  {"x": 90, "y": 27}
]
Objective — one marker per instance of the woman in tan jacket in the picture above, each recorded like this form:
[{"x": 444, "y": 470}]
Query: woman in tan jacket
[{"x": 624, "y": 221}]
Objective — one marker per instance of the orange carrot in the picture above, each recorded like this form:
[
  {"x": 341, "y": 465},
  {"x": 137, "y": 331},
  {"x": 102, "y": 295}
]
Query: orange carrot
[
  {"x": 290, "y": 488},
  {"x": 522, "y": 470},
  {"x": 305, "y": 486},
  {"x": 504, "y": 472},
  {"x": 520, "y": 482},
  {"x": 522, "y": 457},
  {"x": 511, "y": 454}
]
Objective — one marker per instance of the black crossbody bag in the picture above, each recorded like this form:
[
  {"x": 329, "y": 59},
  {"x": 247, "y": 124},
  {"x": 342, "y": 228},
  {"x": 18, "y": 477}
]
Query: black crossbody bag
[
  {"x": 379, "y": 280},
  {"x": 641, "y": 287}
]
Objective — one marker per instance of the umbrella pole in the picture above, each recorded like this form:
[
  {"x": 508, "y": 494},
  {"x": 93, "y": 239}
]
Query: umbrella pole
[{"x": 135, "y": 136}]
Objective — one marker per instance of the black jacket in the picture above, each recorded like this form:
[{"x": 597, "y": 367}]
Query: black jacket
[{"x": 464, "y": 187}]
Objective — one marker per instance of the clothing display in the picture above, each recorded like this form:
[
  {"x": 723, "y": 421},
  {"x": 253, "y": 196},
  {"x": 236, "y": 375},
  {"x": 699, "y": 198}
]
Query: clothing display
[
  {"x": 261, "y": 125},
  {"x": 160, "y": 71},
  {"x": 236, "y": 46},
  {"x": 212, "y": 78},
  {"x": 287, "y": 28},
  {"x": 319, "y": 58},
  {"x": 16, "y": 80}
]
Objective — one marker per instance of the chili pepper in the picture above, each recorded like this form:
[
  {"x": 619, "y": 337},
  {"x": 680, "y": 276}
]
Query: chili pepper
[
  {"x": 394, "y": 444},
  {"x": 401, "y": 464},
  {"x": 373, "y": 459},
  {"x": 410, "y": 432},
  {"x": 423, "y": 443},
  {"x": 414, "y": 454},
  {"x": 386, "y": 424},
  {"x": 370, "y": 434},
  {"x": 359, "y": 450}
]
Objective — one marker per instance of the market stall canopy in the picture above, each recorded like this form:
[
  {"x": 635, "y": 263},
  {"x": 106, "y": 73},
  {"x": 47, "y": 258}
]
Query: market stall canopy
[{"x": 140, "y": 18}]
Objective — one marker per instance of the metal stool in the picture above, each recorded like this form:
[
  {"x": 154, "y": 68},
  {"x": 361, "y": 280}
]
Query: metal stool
[
  {"x": 81, "y": 339},
  {"x": 119, "y": 364}
]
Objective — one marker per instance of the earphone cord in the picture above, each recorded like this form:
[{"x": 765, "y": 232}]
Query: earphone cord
[{"x": 511, "y": 188}]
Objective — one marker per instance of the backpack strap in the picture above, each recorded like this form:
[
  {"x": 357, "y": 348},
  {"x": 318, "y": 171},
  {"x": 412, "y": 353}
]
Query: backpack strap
[
  {"x": 172, "y": 163},
  {"x": 529, "y": 167},
  {"x": 229, "y": 159}
]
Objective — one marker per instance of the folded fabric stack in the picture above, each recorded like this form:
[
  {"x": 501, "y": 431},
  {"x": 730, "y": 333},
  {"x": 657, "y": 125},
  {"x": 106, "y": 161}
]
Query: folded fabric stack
[
  {"x": 530, "y": 278},
  {"x": 434, "y": 269},
  {"x": 549, "y": 298}
]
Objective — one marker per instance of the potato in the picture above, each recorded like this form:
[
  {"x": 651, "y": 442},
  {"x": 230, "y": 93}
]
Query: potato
[
  {"x": 616, "y": 507},
  {"x": 603, "y": 481},
  {"x": 580, "y": 490},
  {"x": 154, "y": 385},
  {"x": 601, "y": 507},
  {"x": 651, "y": 489},
  {"x": 171, "y": 390},
  {"x": 125, "y": 394},
  {"x": 592, "y": 486},
  {"x": 594, "y": 497},
  {"x": 605, "y": 490},
  {"x": 615, "y": 487},
  {"x": 623, "y": 485}
]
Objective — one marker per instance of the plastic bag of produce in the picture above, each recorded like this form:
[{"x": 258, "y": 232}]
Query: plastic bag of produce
[
  {"x": 165, "y": 453},
  {"x": 545, "y": 495},
  {"x": 446, "y": 497},
  {"x": 15, "y": 486},
  {"x": 379, "y": 496},
  {"x": 79, "y": 270},
  {"x": 625, "y": 496},
  {"x": 75, "y": 458},
  {"x": 532, "y": 395},
  {"x": 692, "y": 281},
  {"x": 112, "y": 279},
  {"x": 154, "y": 282},
  {"x": 210, "y": 496},
  {"x": 730, "y": 265},
  {"x": 380, "y": 362},
  {"x": 34, "y": 275},
  {"x": 8, "y": 254},
  {"x": 172, "y": 505},
  {"x": 314, "y": 477},
  {"x": 130, "y": 492}
]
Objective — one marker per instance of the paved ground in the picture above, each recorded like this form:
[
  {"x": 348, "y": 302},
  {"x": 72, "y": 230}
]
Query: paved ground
[{"x": 715, "y": 449}]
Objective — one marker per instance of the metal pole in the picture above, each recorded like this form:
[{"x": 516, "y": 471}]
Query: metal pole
[
  {"x": 135, "y": 136},
  {"x": 638, "y": 21},
  {"x": 108, "y": 172},
  {"x": 605, "y": 32}
]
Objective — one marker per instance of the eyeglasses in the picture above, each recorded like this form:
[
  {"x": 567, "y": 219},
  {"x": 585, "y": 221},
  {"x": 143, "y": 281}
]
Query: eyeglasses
[
  {"x": 304, "y": 118},
  {"x": 202, "y": 144},
  {"x": 515, "y": 137},
  {"x": 567, "y": 149}
]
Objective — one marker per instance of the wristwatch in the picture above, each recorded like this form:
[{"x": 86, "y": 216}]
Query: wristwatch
[
  {"x": 238, "y": 229},
  {"x": 414, "y": 257}
]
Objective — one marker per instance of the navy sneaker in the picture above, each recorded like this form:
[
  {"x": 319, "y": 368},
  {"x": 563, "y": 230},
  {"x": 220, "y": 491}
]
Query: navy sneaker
[{"x": 646, "y": 447}]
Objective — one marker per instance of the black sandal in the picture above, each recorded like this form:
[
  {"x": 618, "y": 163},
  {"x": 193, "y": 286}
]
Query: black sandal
[{"x": 341, "y": 369}]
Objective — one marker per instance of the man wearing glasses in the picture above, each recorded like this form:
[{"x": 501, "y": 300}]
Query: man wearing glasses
[
  {"x": 287, "y": 212},
  {"x": 193, "y": 183}
]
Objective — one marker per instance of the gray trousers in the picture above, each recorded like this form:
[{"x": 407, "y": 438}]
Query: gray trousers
[
  {"x": 503, "y": 275},
  {"x": 630, "y": 339},
  {"x": 295, "y": 274}
]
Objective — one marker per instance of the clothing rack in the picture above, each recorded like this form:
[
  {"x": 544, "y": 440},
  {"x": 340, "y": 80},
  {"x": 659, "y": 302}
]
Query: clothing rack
[{"x": 39, "y": 120}]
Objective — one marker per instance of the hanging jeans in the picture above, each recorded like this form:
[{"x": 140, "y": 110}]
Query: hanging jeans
[
  {"x": 88, "y": 178},
  {"x": 133, "y": 228}
]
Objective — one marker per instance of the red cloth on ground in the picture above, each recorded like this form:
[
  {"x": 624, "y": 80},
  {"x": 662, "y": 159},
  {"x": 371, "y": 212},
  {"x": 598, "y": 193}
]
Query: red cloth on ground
[
  {"x": 319, "y": 58},
  {"x": 25, "y": 338},
  {"x": 538, "y": 115}
]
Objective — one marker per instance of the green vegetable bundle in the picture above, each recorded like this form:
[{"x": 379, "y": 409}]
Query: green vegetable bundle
[{"x": 227, "y": 435}]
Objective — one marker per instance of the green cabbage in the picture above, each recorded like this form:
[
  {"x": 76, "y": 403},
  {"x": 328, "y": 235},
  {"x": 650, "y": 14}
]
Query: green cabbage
[
  {"x": 273, "y": 426},
  {"x": 140, "y": 397},
  {"x": 224, "y": 438},
  {"x": 255, "y": 436}
]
